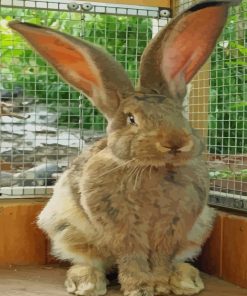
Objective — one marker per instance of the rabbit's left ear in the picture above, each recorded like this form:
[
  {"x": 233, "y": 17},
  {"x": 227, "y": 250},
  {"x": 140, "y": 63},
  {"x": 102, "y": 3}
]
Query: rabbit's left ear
[
  {"x": 82, "y": 64},
  {"x": 179, "y": 50}
]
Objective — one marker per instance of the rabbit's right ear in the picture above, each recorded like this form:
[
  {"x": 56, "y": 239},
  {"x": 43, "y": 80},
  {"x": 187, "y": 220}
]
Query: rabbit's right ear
[
  {"x": 83, "y": 65},
  {"x": 179, "y": 50}
]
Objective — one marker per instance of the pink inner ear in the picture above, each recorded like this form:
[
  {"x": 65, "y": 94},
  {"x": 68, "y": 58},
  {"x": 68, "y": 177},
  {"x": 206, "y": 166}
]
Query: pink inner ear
[
  {"x": 72, "y": 63},
  {"x": 191, "y": 42}
]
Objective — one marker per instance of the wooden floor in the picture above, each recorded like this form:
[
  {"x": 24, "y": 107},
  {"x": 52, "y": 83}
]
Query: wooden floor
[{"x": 48, "y": 281}]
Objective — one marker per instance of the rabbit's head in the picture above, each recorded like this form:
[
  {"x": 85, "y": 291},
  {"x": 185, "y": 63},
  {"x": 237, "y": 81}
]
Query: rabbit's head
[{"x": 146, "y": 123}]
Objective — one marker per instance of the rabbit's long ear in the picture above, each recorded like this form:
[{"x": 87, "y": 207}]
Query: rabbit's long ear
[
  {"x": 83, "y": 65},
  {"x": 178, "y": 51}
]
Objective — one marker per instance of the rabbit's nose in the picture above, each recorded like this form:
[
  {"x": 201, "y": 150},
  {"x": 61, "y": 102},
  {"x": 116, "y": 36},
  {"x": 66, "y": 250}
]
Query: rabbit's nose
[
  {"x": 182, "y": 147},
  {"x": 187, "y": 147},
  {"x": 175, "y": 148}
]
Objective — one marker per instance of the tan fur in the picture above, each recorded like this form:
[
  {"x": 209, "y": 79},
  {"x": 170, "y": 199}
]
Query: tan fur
[
  {"x": 185, "y": 280},
  {"x": 138, "y": 198}
]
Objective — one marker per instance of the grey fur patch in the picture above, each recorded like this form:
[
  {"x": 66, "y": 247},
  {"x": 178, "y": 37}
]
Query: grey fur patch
[
  {"x": 170, "y": 177},
  {"x": 111, "y": 211},
  {"x": 156, "y": 205},
  {"x": 170, "y": 231},
  {"x": 143, "y": 292},
  {"x": 201, "y": 191},
  {"x": 150, "y": 98},
  {"x": 175, "y": 220},
  {"x": 62, "y": 226}
]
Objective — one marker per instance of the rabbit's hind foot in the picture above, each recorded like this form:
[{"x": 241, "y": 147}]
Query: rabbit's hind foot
[
  {"x": 185, "y": 280},
  {"x": 86, "y": 281}
]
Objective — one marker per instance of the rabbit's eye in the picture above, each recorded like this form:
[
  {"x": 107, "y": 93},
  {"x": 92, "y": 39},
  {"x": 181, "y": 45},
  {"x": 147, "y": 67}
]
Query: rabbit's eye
[{"x": 131, "y": 119}]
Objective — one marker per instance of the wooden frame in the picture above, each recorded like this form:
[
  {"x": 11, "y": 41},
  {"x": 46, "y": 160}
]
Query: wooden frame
[
  {"x": 225, "y": 254},
  {"x": 21, "y": 242},
  {"x": 155, "y": 3}
]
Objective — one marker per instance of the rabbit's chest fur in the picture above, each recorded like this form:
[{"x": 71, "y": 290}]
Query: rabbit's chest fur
[{"x": 152, "y": 207}]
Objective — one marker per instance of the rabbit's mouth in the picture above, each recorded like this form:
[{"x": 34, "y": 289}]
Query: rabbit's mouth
[
  {"x": 158, "y": 153},
  {"x": 167, "y": 159},
  {"x": 175, "y": 149}
]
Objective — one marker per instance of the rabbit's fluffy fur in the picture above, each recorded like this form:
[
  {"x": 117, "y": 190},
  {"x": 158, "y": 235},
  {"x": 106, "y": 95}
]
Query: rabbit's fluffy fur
[{"x": 136, "y": 199}]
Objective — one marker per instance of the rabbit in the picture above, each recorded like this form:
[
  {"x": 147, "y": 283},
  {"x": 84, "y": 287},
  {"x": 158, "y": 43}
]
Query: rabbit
[{"x": 137, "y": 198}]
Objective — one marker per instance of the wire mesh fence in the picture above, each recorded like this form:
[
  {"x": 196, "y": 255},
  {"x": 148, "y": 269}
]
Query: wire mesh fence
[
  {"x": 218, "y": 108},
  {"x": 228, "y": 113},
  {"x": 62, "y": 122},
  {"x": 33, "y": 152}
]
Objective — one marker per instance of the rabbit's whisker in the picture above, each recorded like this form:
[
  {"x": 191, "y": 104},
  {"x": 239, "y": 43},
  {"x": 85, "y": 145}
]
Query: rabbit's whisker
[
  {"x": 138, "y": 175},
  {"x": 117, "y": 167},
  {"x": 134, "y": 172},
  {"x": 131, "y": 173},
  {"x": 150, "y": 171},
  {"x": 143, "y": 172}
]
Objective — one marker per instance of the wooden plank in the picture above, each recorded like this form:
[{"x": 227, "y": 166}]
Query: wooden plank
[
  {"x": 155, "y": 3},
  {"x": 210, "y": 259},
  {"x": 21, "y": 242},
  {"x": 48, "y": 281},
  {"x": 5, "y": 166},
  {"x": 234, "y": 252},
  {"x": 225, "y": 253}
]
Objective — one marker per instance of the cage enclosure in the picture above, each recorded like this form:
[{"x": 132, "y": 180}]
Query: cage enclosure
[
  {"x": 51, "y": 123},
  {"x": 61, "y": 122}
]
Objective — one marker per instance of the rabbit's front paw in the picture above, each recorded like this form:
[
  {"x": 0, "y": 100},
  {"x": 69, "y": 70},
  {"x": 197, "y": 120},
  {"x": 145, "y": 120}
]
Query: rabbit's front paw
[
  {"x": 162, "y": 288},
  {"x": 161, "y": 283},
  {"x": 185, "y": 280},
  {"x": 86, "y": 281},
  {"x": 143, "y": 291}
]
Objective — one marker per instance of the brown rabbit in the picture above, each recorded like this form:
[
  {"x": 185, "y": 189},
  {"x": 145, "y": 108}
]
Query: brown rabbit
[{"x": 138, "y": 198}]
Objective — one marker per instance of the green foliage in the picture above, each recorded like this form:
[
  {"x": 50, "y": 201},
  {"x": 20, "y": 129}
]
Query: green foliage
[
  {"x": 228, "y": 107},
  {"x": 124, "y": 37},
  {"x": 240, "y": 175}
]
